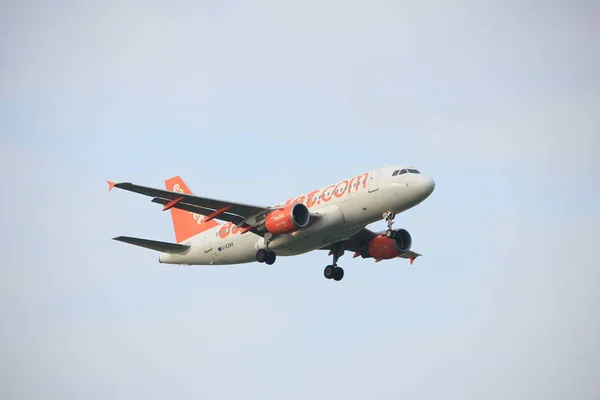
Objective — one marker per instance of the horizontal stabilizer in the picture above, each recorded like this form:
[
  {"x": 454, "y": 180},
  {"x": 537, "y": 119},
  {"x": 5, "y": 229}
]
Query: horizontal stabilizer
[{"x": 154, "y": 244}]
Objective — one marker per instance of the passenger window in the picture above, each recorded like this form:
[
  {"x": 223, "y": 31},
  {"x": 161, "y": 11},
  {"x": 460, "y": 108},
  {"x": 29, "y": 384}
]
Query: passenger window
[{"x": 396, "y": 172}]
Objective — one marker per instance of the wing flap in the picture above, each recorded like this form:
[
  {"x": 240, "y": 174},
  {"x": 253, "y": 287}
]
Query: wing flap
[{"x": 163, "y": 247}]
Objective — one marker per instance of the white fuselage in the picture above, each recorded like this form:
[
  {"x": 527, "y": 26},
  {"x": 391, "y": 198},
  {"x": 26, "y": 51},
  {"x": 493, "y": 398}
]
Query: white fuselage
[{"x": 343, "y": 209}]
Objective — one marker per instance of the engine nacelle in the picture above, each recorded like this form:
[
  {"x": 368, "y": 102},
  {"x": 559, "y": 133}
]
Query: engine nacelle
[
  {"x": 287, "y": 219},
  {"x": 383, "y": 248}
]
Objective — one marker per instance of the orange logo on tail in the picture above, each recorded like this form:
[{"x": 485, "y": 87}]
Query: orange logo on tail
[{"x": 186, "y": 223}]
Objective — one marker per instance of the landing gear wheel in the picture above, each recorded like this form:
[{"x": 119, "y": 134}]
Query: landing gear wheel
[
  {"x": 390, "y": 234},
  {"x": 261, "y": 256},
  {"x": 270, "y": 259},
  {"x": 338, "y": 274},
  {"x": 329, "y": 271}
]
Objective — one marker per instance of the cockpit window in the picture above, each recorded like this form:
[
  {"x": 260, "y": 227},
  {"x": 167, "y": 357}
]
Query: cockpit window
[{"x": 404, "y": 171}]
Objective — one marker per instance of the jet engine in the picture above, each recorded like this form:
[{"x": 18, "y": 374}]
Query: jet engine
[
  {"x": 382, "y": 248},
  {"x": 287, "y": 219}
]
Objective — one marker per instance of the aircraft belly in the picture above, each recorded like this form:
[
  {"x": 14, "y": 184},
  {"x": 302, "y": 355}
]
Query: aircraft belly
[
  {"x": 236, "y": 249},
  {"x": 331, "y": 226}
]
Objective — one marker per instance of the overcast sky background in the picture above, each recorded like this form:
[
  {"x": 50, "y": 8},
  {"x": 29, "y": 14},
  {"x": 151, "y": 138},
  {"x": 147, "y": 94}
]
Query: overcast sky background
[{"x": 261, "y": 101}]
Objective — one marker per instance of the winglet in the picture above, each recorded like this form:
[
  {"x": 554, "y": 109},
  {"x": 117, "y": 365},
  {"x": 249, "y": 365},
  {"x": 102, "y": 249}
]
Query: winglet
[
  {"x": 412, "y": 260},
  {"x": 110, "y": 185}
]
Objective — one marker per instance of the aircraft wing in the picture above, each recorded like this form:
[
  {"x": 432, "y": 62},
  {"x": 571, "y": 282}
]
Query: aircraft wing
[
  {"x": 359, "y": 242},
  {"x": 220, "y": 209}
]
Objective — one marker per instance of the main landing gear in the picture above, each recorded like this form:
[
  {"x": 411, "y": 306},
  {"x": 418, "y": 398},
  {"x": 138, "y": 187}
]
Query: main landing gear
[
  {"x": 333, "y": 271},
  {"x": 389, "y": 218},
  {"x": 265, "y": 255}
]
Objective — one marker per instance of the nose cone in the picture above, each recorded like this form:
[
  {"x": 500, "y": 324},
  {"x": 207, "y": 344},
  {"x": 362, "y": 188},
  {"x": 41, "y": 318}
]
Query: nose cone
[
  {"x": 430, "y": 185},
  {"x": 424, "y": 187}
]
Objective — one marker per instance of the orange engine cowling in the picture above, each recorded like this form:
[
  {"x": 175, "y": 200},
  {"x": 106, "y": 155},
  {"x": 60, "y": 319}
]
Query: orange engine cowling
[
  {"x": 287, "y": 219},
  {"x": 383, "y": 248}
]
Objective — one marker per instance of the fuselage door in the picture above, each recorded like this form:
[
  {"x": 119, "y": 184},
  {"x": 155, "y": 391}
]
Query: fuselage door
[
  {"x": 374, "y": 180},
  {"x": 206, "y": 241}
]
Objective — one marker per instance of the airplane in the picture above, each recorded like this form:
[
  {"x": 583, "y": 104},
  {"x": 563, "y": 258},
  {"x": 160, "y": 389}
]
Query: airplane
[{"x": 332, "y": 218}]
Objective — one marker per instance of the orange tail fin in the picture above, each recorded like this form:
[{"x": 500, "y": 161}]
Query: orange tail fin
[{"x": 185, "y": 223}]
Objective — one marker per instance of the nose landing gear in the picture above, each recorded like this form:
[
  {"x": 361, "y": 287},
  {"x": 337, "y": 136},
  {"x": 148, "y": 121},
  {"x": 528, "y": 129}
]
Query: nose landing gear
[
  {"x": 389, "y": 218},
  {"x": 333, "y": 271}
]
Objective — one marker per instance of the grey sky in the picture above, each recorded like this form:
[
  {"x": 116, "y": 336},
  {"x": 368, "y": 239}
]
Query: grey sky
[{"x": 257, "y": 102}]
